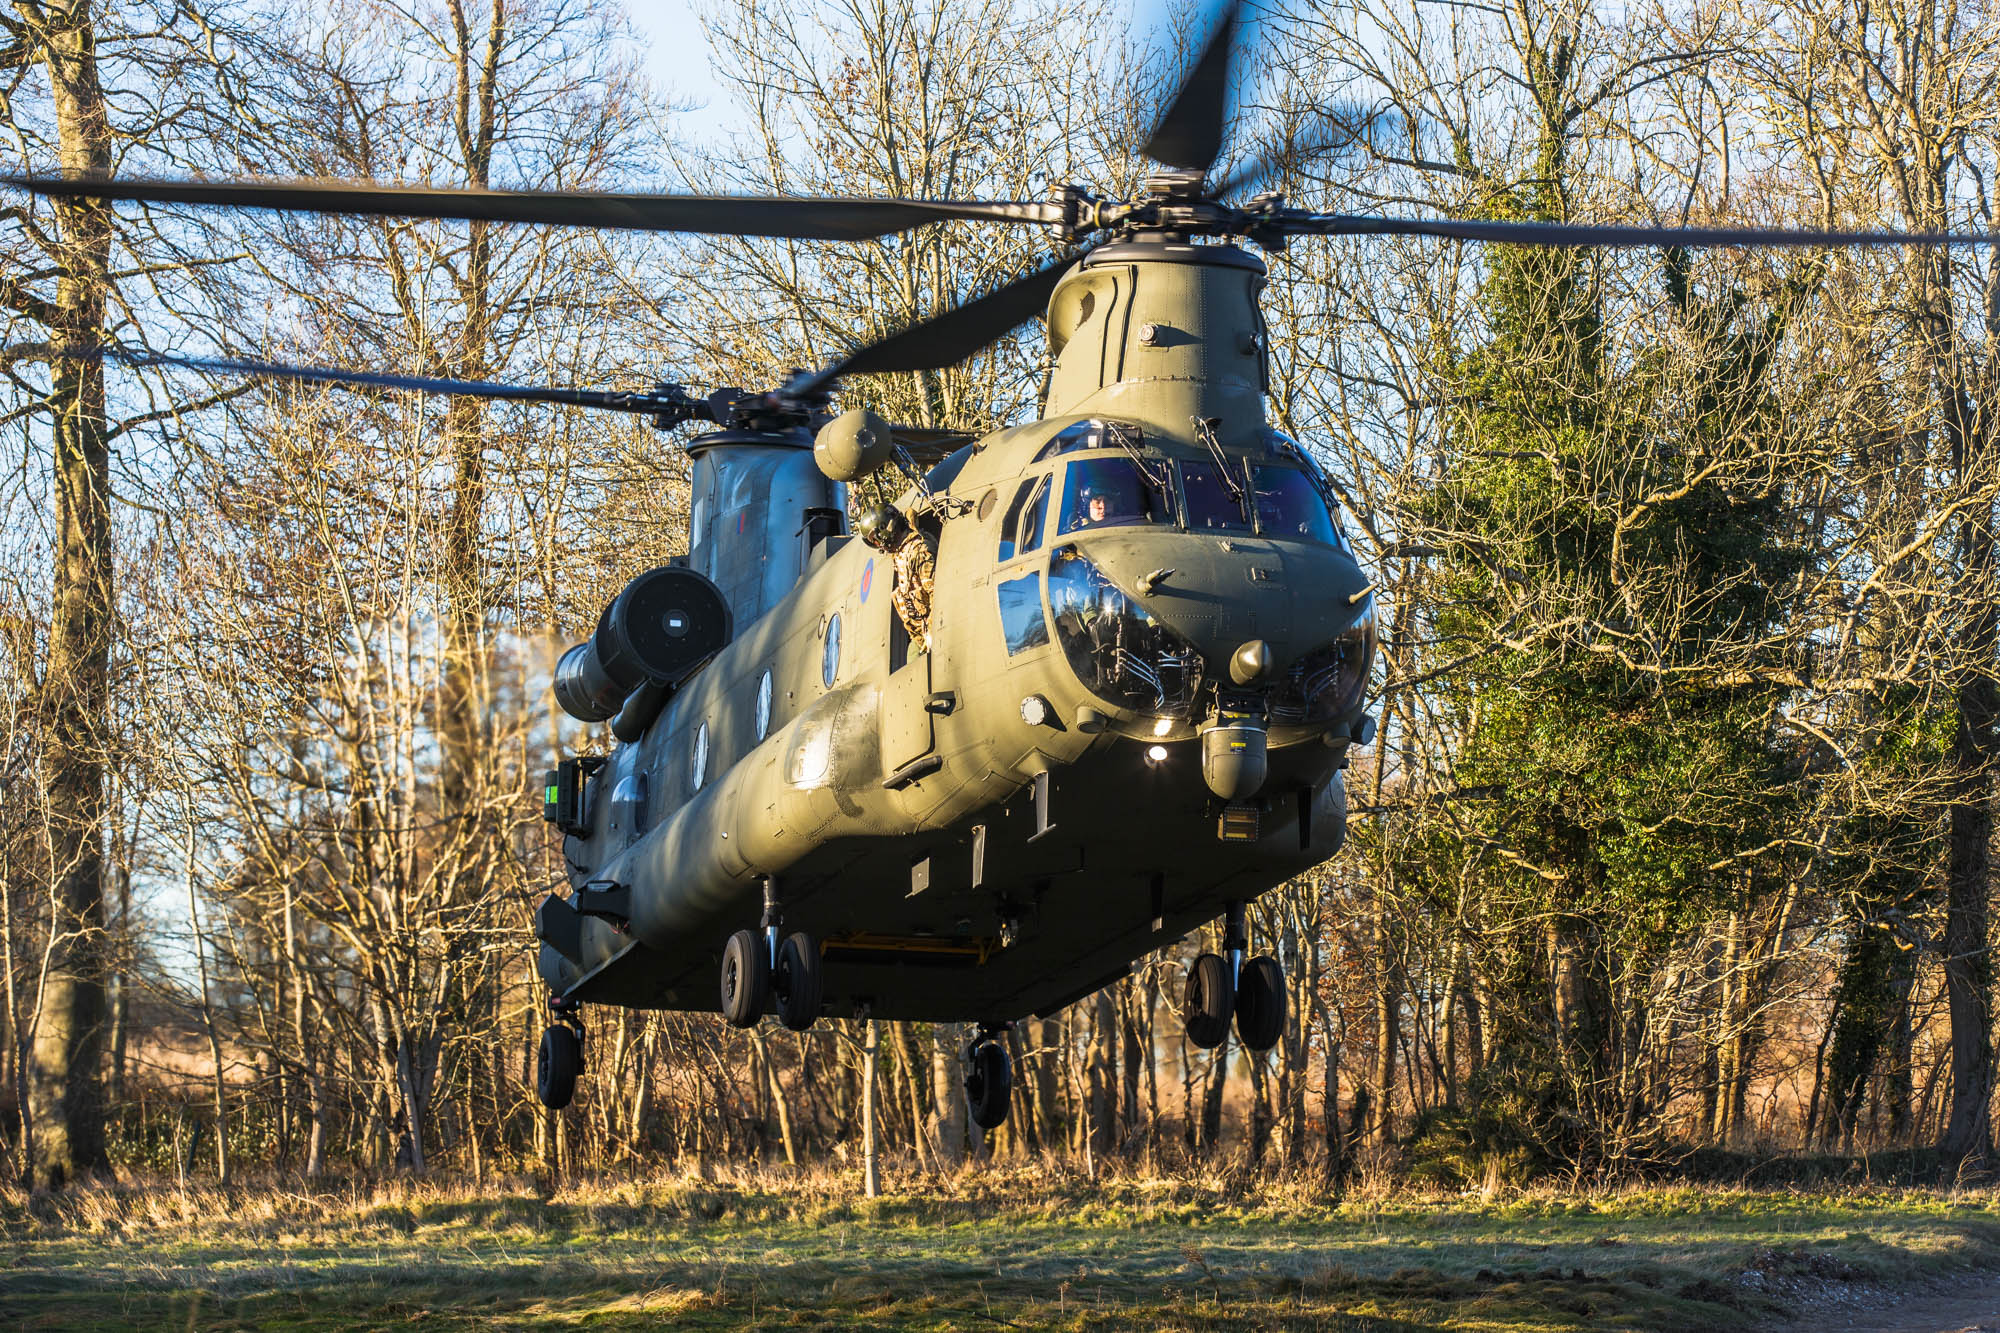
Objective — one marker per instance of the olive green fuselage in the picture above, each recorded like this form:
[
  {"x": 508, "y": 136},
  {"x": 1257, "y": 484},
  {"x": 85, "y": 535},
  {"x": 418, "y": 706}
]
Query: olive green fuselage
[{"x": 890, "y": 796}]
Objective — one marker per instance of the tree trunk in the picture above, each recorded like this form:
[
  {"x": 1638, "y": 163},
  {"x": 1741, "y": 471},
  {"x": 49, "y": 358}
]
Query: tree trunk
[
  {"x": 1131, "y": 1061},
  {"x": 1968, "y": 963},
  {"x": 948, "y": 1095},
  {"x": 779, "y": 1104},
  {"x": 207, "y": 1013},
  {"x": 1101, "y": 1074},
  {"x": 66, "y": 1095},
  {"x": 1388, "y": 1017},
  {"x": 871, "y": 1164},
  {"x": 1211, "y": 1102},
  {"x": 1048, "y": 1119}
]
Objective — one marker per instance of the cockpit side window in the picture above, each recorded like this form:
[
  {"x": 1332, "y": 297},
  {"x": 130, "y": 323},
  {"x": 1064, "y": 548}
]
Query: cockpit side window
[
  {"x": 1109, "y": 492},
  {"x": 1010, "y": 525},
  {"x": 1289, "y": 505},
  {"x": 1029, "y": 538}
]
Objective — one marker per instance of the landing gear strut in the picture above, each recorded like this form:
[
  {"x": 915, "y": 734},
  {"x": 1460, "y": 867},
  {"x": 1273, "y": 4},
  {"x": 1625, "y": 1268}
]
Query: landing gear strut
[
  {"x": 560, "y": 1058},
  {"x": 756, "y": 966},
  {"x": 989, "y": 1077},
  {"x": 1227, "y": 985}
]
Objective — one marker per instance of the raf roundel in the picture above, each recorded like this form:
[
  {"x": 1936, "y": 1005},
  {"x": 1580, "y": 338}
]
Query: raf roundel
[{"x": 867, "y": 579}]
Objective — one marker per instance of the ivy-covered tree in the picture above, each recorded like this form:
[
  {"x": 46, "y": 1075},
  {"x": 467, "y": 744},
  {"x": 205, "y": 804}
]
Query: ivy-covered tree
[{"x": 1614, "y": 549}]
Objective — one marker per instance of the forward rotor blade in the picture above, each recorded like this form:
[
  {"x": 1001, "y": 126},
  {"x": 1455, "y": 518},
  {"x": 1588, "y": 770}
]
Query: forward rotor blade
[
  {"x": 713, "y": 215},
  {"x": 1345, "y": 127},
  {"x": 367, "y": 379},
  {"x": 1598, "y": 234},
  {"x": 1188, "y": 133},
  {"x": 947, "y": 339}
]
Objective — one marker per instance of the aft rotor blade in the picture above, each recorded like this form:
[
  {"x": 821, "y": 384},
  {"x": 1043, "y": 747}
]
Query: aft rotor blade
[
  {"x": 713, "y": 215},
  {"x": 368, "y": 379},
  {"x": 947, "y": 339},
  {"x": 1609, "y": 235},
  {"x": 1188, "y": 133}
]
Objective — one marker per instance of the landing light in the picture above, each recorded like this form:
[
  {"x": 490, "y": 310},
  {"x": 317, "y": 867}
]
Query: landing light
[
  {"x": 1162, "y": 727},
  {"x": 1156, "y": 754}
]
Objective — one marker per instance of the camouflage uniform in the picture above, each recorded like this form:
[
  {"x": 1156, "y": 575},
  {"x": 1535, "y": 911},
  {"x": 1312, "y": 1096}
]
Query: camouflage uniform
[{"x": 915, "y": 566}]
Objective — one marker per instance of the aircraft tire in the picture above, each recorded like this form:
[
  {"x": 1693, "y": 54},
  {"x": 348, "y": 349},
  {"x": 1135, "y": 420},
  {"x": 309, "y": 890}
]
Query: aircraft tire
[
  {"x": 557, "y": 1064},
  {"x": 989, "y": 1084},
  {"x": 1210, "y": 1001},
  {"x": 797, "y": 982},
  {"x": 746, "y": 978},
  {"x": 1260, "y": 1003}
]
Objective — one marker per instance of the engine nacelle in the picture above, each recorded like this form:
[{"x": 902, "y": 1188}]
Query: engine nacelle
[{"x": 666, "y": 622}]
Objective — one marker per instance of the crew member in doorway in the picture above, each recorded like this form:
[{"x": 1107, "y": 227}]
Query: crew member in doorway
[{"x": 884, "y": 528}]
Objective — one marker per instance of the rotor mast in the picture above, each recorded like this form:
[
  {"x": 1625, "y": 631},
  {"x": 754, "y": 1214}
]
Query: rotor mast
[{"x": 1157, "y": 328}]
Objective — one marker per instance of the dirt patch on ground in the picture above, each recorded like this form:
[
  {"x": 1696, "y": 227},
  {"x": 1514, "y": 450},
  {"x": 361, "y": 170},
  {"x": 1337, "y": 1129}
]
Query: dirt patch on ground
[{"x": 1970, "y": 1305}]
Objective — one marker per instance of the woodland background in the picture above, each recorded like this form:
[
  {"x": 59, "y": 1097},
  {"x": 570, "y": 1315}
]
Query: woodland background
[{"x": 1677, "y": 836}]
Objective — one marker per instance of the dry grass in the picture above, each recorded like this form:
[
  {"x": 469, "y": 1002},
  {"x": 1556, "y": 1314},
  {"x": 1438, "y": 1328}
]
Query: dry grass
[{"x": 985, "y": 1248}]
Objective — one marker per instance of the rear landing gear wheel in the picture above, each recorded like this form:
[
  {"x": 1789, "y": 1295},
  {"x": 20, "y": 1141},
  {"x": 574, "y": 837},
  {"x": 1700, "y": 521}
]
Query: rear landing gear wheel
[
  {"x": 557, "y": 1064},
  {"x": 797, "y": 981},
  {"x": 1260, "y": 1003},
  {"x": 989, "y": 1083},
  {"x": 746, "y": 978},
  {"x": 1210, "y": 1000}
]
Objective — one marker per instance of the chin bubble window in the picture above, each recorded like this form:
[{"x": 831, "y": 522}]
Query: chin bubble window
[
  {"x": 1112, "y": 492},
  {"x": 1289, "y": 505},
  {"x": 1119, "y": 651},
  {"x": 1327, "y": 683}
]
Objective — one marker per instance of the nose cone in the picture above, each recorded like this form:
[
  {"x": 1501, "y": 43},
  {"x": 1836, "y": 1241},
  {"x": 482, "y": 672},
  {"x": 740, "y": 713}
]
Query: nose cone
[{"x": 1230, "y": 596}]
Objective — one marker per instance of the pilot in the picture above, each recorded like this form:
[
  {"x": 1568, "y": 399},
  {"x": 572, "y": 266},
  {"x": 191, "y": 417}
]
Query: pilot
[
  {"x": 884, "y": 528},
  {"x": 1099, "y": 506}
]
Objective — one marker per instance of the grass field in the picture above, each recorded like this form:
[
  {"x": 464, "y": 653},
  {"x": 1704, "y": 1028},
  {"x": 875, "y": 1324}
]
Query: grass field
[{"x": 988, "y": 1249}]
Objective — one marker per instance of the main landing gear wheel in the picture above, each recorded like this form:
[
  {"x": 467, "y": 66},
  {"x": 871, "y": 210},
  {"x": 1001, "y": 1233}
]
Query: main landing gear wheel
[
  {"x": 796, "y": 981},
  {"x": 557, "y": 1064},
  {"x": 746, "y": 978},
  {"x": 989, "y": 1082},
  {"x": 1260, "y": 1003},
  {"x": 1210, "y": 999}
]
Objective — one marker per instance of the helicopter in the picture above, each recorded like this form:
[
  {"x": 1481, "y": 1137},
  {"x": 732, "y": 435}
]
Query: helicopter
[{"x": 1142, "y": 670}]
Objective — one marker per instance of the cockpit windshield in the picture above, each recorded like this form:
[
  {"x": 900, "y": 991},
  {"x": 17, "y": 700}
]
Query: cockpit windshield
[
  {"x": 1214, "y": 498},
  {"x": 1289, "y": 505},
  {"x": 1108, "y": 492}
]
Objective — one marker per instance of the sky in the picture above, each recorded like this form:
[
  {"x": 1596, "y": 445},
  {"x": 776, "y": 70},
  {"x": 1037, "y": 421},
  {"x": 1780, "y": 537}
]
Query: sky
[
  {"x": 678, "y": 59},
  {"x": 680, "y": 62}
]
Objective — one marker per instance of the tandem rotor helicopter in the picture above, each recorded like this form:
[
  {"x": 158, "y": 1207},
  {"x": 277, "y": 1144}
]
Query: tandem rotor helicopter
[{"x": 1119, "y": 708}]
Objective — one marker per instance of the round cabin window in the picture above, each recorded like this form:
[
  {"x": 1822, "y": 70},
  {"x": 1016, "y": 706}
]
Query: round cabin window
[
  {"x": 829, "y": 666},
  {"x": 764, "y": 706},
  {"x": 700, "y": 755}
]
